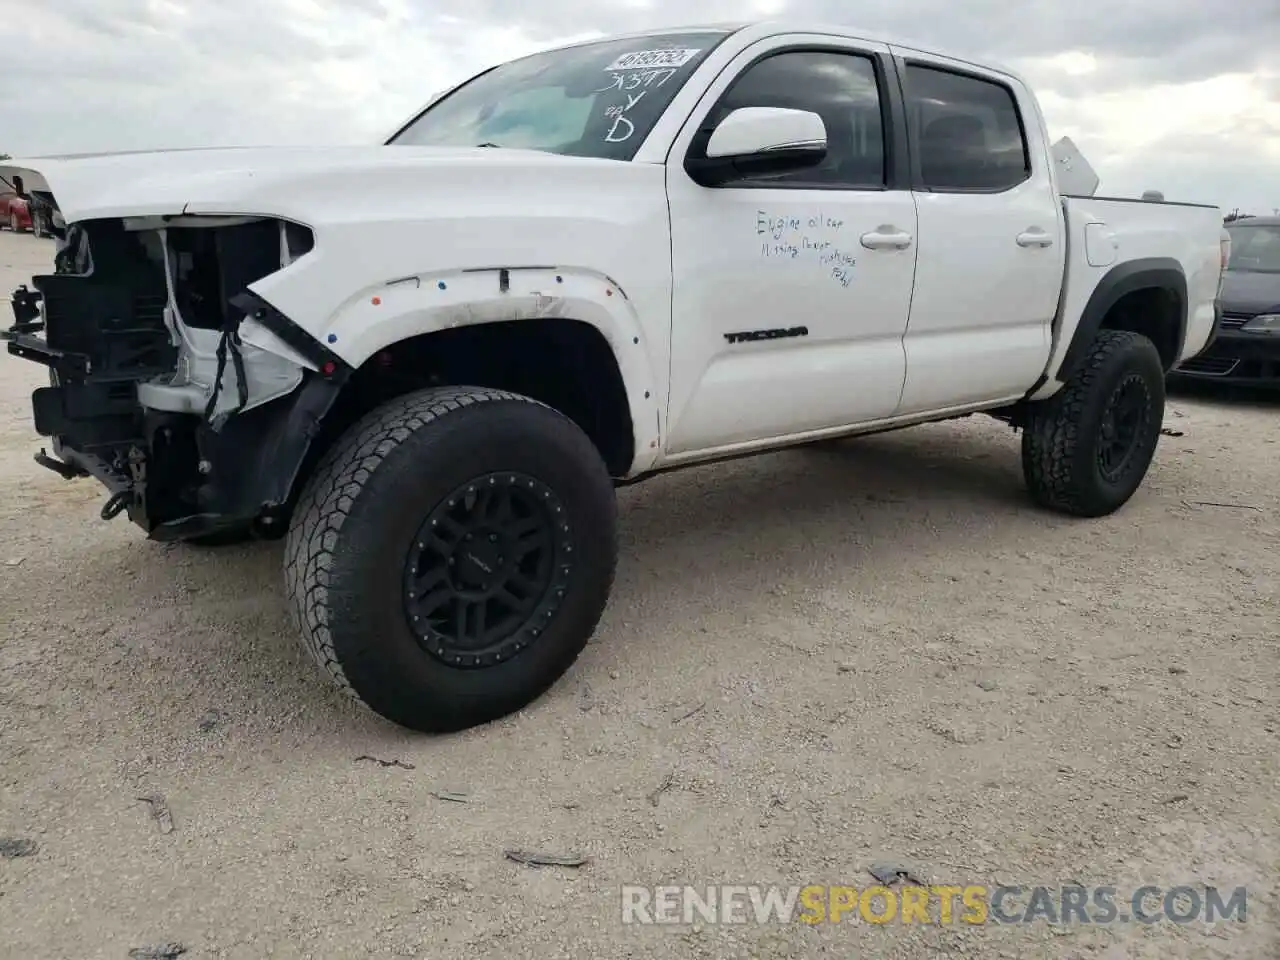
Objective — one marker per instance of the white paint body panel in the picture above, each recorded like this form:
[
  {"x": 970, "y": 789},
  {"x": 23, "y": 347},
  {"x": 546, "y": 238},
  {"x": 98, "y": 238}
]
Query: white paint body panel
[
  {"x": 752, "y": 258},
  {"x": 1101, "y": 245},
  {"x": 962, "y": 318},
  {"x": 424, "y": 217},
  {"x": 1137, "y": 230}
]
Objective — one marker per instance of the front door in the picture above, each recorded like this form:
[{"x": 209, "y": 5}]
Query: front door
[{"x": 791, "y": 295}]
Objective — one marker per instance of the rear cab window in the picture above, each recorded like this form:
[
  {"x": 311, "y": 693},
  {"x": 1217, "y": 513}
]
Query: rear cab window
[{"x": 967, "y": 131}]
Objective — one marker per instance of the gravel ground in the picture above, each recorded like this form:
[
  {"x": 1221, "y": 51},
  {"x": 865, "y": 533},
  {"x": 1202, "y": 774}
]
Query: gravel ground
[{"x": 876, "y": 650}]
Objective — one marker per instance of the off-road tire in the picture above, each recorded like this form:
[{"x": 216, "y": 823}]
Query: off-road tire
[
  {"x": 359, "y": 516},
  {"x": 1064, "y": 433}
]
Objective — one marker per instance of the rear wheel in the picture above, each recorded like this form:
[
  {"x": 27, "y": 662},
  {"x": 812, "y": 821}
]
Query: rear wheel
[
  {"x": 1086, "y": 449},
  {"x": 452, "y": 555}
]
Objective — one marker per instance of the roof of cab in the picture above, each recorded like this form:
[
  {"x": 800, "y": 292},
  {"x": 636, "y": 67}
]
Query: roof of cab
[{"x": 767, "y": 28}]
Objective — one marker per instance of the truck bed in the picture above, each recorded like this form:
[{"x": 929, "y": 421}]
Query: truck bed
[{"x": 1109, "y": 239}]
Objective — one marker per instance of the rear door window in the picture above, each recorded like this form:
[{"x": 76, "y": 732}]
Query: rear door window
[{"x": 966, "y": 130}]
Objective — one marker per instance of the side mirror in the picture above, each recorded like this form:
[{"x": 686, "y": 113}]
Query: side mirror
[
  {"x": 17, "y": 186},
  {"x": 760, "y": 141}
]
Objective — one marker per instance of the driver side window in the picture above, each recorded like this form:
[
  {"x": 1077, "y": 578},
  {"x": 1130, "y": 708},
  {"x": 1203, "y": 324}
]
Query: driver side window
[{"x": 842, "y": 89}]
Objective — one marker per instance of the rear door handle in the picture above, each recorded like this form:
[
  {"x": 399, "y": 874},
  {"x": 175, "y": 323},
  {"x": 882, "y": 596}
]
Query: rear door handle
[
  {"x": 1034, "y": 237},
  {"x": 886, "y": 238}
]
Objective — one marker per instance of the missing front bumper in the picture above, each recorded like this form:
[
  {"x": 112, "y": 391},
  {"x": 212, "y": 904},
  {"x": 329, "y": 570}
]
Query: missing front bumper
[{"x": 102, "y": 331}]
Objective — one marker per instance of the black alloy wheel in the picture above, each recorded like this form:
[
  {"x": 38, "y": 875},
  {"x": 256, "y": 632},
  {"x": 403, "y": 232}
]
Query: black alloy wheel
[
  {"x": 1126, "y": 414},
  {"x": 489, "y": 567}
]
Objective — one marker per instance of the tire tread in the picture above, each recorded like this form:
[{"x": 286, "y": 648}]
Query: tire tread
[
  {"x": 330, "y": 493},
  {"x": 1054, "y": 432}
]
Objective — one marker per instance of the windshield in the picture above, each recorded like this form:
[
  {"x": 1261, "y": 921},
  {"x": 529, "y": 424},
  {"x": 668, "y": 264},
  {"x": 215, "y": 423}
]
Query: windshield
[
  {"x": 1254, "y": 249},
  {"x": 594, "y": 100}
]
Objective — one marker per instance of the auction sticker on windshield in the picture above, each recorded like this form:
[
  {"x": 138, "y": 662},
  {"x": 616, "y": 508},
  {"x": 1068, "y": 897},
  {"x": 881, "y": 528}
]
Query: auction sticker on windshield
[{"x": 647, "y": 59}]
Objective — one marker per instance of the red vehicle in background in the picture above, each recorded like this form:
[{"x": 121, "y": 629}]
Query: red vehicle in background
[
  {"x": 19, "y": 211},
  {"x": 15, "y": 212}
]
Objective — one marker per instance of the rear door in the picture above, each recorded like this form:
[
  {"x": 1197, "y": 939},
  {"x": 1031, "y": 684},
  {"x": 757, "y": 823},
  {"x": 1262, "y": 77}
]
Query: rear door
[
  {"x": 991, "y": 236},
  {"x": 791, "y": 294}
]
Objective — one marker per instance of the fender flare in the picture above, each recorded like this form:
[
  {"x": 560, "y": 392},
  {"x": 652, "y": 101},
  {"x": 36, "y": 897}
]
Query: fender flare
[
  {"x": 375, "y": 319},
  {"x": 1163, "y": 273}
]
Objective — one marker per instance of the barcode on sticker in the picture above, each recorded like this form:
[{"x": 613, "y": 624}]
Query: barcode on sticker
[{"x": 649, "y": 59}]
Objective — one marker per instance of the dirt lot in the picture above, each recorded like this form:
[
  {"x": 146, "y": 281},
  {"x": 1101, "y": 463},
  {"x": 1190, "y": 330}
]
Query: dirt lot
[{"x": 814, "y": 661}]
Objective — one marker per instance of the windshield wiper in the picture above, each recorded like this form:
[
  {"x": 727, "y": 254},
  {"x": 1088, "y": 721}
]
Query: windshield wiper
[{"x": 489, "y": 144}]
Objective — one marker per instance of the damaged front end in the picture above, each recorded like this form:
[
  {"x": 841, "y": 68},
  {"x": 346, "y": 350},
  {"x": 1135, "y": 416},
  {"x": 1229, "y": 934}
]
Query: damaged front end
[{"x": 172, "y": 383}]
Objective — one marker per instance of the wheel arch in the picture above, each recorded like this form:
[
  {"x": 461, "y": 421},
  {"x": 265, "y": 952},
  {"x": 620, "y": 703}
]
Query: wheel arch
[
  {"x": 593, "y": 367},
  {"x": 1146, "y": 296},
  {"x": 562, "y": 362},
  {"x": 566, "y": 363},
  {"x": 513, "y": 301}
]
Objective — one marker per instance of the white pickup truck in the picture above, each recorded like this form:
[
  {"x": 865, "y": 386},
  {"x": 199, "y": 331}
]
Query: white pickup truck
[{"x": 428, "y": 363}]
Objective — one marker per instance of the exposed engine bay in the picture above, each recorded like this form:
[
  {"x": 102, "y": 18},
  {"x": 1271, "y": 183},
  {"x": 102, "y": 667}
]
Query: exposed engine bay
[{"x": 163, "y": 366}]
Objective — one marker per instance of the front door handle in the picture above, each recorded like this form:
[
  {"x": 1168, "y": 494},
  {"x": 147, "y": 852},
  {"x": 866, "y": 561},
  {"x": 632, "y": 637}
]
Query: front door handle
[
  {"x": 1034, "y": 237},
  {"x": 886, "y": 238}
]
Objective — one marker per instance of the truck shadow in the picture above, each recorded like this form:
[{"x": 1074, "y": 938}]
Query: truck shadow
[
  {"x": 709, "y": 534},
  {"x": 794, "y": 496}
]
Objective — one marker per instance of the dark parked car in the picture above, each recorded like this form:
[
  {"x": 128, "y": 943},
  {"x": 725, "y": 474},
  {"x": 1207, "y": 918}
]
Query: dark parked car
[{"x": 1247, "y": 349}]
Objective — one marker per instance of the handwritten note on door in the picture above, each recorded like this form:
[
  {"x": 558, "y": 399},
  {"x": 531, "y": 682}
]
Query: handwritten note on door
[{"x": 813, "y": 237}]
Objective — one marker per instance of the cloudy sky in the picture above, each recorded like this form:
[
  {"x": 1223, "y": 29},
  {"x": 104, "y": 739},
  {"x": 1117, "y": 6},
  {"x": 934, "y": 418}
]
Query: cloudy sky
[{"x": 1178, "y": 95}]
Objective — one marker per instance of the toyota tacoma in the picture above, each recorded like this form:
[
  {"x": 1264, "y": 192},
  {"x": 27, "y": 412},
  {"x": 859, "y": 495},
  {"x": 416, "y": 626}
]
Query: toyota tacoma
[{"x": 573, "y": 271}]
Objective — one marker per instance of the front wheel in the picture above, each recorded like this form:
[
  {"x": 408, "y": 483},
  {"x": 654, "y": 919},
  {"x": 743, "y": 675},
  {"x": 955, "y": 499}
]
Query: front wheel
[
  {"x": 1086, "y": 449},
  {"x": 452, "y": 555}
]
